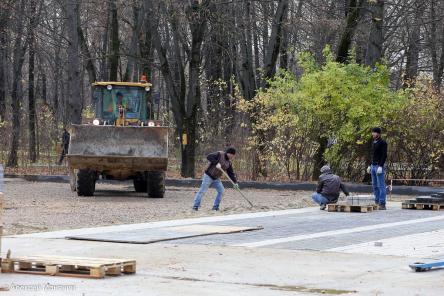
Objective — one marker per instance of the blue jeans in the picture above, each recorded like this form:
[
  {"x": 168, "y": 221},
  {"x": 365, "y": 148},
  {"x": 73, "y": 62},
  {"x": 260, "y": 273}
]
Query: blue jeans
[
  {"x": 378, "y": 182},
  {"x": 319, "y": 199},
  {"x": 207, "y": 182}
]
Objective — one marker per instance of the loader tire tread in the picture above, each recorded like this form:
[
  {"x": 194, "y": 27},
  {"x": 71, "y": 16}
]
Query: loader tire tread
[
  {"x": 140, "y": 183},
  {"x": 155, "y": 184},
  {"x": 86, "y": 182}
]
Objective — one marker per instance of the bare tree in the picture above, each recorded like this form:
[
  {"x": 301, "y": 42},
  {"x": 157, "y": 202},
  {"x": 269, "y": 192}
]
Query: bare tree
[
  {"x": 5, "y": 9},
  {"x": 74, "y": 101},
  {"x": 19, "y": 52}
]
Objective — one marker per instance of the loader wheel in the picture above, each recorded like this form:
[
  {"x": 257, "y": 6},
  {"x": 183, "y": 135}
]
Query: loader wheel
[
  {"x": 140, "y": 184},
  {"x": 155, "y": 184},
  {"x": 73, "y": 180},
  {"x": 86, "y": 182}
]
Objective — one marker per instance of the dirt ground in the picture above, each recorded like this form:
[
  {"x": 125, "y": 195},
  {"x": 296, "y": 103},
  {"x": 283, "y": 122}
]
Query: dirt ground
[{"x": 37, "y": 207}]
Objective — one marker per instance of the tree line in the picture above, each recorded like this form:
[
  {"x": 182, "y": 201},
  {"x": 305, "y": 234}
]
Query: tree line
[{"x": 202, "y": 56}]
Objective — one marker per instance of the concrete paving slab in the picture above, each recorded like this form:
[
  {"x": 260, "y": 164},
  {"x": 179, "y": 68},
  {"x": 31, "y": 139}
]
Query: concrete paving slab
[
  {"x": 154, "y": 235},
  {"x": 170, "y": 223}
]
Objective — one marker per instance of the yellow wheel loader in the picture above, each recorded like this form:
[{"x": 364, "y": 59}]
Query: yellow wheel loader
[{"x": 122, "y": 142}]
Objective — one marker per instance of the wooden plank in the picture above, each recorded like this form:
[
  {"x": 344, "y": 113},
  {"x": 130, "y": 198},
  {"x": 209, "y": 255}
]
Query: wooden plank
[
  {"x": 331, "y": 208},
  {"x": 51, "y": 269},
  {"x": 129, "y": 268},
  {"x": 98, "y": 272},
  {"x": 7, "y": 266}
]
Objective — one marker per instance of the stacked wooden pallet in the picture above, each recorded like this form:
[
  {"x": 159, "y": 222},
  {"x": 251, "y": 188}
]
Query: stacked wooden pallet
[
  {"x": 345, "y": 207},
  {"x": 433, "y": 202},
  {"x": 69, "y": 266}
]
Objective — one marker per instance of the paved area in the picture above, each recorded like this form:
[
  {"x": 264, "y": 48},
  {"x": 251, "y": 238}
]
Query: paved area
[
  {"x": 297, "y": 229},
  {"x": 298, "y": 252}
]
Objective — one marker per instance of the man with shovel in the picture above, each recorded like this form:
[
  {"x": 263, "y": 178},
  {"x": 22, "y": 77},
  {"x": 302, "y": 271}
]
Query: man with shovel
[{"x": 220, "y": 162}]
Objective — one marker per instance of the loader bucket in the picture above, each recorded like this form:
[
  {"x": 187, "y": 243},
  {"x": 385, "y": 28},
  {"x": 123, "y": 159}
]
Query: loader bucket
[{"x": 110, "y": 148}]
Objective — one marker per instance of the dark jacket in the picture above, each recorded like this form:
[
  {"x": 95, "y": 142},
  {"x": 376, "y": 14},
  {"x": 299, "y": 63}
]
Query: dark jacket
[
  {"x": 65, "y": 139},
  {"x": 222, "y": 158},
  {"x": 379, "y": 152},
  {"x": 329, "y": 186}
]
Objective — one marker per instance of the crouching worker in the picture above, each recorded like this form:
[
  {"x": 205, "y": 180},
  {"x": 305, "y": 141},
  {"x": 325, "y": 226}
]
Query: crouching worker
[
  {"x": 329, "y": 186},
  {"x": 218, "y": 161}
]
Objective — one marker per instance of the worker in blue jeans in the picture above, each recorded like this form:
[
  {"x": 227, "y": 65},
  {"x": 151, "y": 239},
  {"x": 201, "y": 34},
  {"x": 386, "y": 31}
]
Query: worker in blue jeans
[
  {"x": 219, "y": 161},
  {"x": 376, "y": 169}
]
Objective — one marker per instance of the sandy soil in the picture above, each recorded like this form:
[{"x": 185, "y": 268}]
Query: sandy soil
[{"x": 36, "y": 207}]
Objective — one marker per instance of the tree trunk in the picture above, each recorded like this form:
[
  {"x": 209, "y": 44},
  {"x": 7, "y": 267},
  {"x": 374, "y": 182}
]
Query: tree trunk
[
  {"x": 247, "y": 77},
  {"x": 88, "y": 60},
  {"x": 412, "y": 64},
  {"x": 275, "y": 39},
  {"x": 376, "y": 39},
  {"x": 4, "y": 14},
  {"x": 198, "y": 25},
  {"x": 139, "y": 13},
  {"x": 31, "y": 80},
  {"x": 74, "y": 100},
  {"x": 19, "y": 58},
  {"x": 114, "y": 55},
  {"x": 318, "y": 159},
  {"x": 353, "y": 14},
  {"x": 188, "y": 146},
  {"x": 437, "y": 63},
  {"x": 104, "y": 66}
]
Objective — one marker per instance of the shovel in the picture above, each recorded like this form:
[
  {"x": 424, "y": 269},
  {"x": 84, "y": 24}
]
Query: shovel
[{"x": 238, "y": 190}]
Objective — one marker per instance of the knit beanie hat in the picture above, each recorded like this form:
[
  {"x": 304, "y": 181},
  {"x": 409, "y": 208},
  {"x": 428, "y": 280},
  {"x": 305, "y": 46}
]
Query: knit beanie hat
[
  {"x": 230, "y": 150},
  {"x": 376, "y": 130},
  {"x": 325, "y": 169}
]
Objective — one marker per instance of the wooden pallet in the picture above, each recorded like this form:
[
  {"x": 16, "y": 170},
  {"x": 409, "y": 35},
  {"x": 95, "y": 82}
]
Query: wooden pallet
[
  {"x": 351, "y": 208},
  {"x": 68, "y": 266},
  {"x": 423, "y": 206}
]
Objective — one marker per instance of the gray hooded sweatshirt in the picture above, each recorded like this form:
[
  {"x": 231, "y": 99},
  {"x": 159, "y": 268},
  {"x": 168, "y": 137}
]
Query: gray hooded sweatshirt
[{"x": 329, "y": 186}]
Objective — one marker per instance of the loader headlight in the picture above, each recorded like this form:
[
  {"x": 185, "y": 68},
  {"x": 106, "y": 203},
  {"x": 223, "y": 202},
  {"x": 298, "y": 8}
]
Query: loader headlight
[
  {"x": 147, "y": 89},
  {"x": 109, "y": 87},
  {"x": 151, "y": 123},
  {"x": 96, "y": 122}
]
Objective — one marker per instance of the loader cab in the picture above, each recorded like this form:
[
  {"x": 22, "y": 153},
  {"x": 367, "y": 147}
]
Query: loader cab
[{"x": 122, "y": 103}]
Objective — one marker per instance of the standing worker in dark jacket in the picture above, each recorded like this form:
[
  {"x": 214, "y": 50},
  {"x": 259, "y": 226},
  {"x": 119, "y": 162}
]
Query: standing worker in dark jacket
[
  {"x": 64, "y": 145},
  {"x": 376, "y": 169},
  {"x": 329, "y": 187},
  {"x": 218, "y": 161}
]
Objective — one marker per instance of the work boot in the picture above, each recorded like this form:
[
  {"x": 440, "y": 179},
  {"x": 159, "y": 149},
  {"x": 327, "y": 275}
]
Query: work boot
[
  {"x": 323, "y": 207},
  {"x": 196, "y": 208},
  {"x": 215, "y": 208},
  {"x": 382, "y": 207}
]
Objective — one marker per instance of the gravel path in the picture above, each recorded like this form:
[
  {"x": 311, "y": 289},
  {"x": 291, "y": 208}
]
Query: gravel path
[{"x": 36, "y": 207}]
